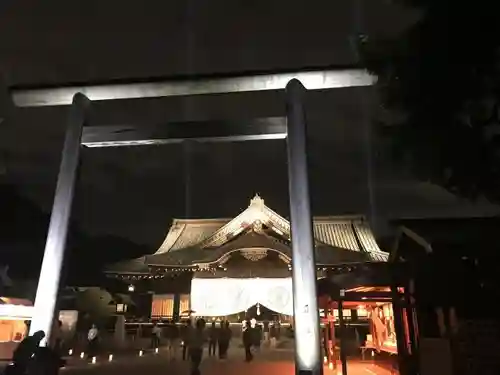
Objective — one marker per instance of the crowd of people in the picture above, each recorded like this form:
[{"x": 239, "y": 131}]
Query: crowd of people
[
  {"x": 254, "y": 334},
  {"x": 195, "y": 338},
  {"x": 219, "y": 337},
  {"x": 192, "y": 338},
  {"x": 216, "y": 337}
]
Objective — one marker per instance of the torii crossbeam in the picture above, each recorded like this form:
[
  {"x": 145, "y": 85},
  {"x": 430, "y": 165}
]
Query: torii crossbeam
[{"x": 306, "y": 319}]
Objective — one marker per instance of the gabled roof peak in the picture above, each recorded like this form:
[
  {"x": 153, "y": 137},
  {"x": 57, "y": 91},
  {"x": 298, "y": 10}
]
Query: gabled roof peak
[
  {"x": 257, "y": 201},
  {"x": 350, "y": 232}
]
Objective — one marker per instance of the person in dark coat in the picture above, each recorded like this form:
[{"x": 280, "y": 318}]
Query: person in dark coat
[
  {"x": 225, "y": 335},
  {"x": 25, "y": 352},
  {"x": 196, "y": 341},
  {"x": 213, "y": 333},
  {"x": 265, "y": 331},
  {"x": 257, "y": 336},
  {"x": 184, "y": 333},
  {"x": 273, "y": 335},
  {"x": 248, "y": 340}
]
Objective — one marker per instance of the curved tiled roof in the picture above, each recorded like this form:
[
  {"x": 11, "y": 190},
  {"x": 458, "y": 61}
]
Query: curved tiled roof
[
  {"x": 339, "y": 239},
  {"x": 185, "y": 233},
  {"x": 134, "y": 266},
  {"x": 338, "y": 234},
  {"x": 197, "y": 255},
  {"x": 325, "y": 255},
  {"x": 347, "y": 232}
]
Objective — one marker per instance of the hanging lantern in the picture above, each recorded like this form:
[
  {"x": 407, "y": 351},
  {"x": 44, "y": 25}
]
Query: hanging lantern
[{"x": 258, "y": 309}]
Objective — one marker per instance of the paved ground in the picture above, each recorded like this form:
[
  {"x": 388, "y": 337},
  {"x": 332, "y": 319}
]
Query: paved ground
[{"x": 279, "y": 362}]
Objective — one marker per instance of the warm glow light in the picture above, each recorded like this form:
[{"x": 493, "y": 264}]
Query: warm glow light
[
  {"x": 141, "y": 353},
  {"x": 330, "y": 366},
  {"x": 156, "y": 350},
  {"x": 131, "y": 288},
  {"x": 227, "y": 296},
  {"x": 70, "y": 352},
  {"x": 110, "y": 358},
  {"x": 82, "y": 355},
  {"x": 361, "y": 310},
  {"x": 325, "y": 359},
  {"x": 94, "y": 360}
]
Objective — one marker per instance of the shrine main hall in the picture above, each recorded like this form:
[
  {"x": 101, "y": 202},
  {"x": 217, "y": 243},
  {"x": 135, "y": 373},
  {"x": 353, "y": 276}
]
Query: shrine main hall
[{"x": 223, "y": 267}]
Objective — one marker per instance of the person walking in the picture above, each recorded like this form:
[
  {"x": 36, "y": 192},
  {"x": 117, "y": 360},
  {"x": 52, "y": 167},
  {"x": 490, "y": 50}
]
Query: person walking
[
  {"x": 57, "y": 336},
  {"x": 212, "y": 339},
  {"x": 225, "y": 335},
  {"x": 184, "y": 334},
  {"x": 265, "y": 330},
  {"x": 24, "y": 353},
  {"x": 155, "y": 336},
  {"x": 248, "y": 341},
  {"x": 92, "y": 340},
  {"x": 257, "y": 332},
  {"x": 278, "y": 329},
  {"x": 273, "y": 335},
  {"x": 173, "y": 340},
  {"x": 196, "y": 341}
]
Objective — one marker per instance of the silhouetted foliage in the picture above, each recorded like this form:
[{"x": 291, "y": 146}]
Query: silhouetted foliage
[
  {"x": 23, "y": 232},
  {"x": 440, "y": 85}
]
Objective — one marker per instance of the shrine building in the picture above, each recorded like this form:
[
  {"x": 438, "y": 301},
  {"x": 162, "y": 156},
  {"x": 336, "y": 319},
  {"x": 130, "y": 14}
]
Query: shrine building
[{"x": 224, "y": 267}]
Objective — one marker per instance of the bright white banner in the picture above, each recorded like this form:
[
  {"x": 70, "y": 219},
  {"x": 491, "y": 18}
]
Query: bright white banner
[{"x": 224, "y": 296}]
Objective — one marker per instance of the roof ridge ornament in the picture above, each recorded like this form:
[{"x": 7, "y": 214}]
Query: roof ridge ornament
[
  {"x": 257, "y": 226},
  {"x": 257, "y": 201},
  {"x": 254, "y": 254}
]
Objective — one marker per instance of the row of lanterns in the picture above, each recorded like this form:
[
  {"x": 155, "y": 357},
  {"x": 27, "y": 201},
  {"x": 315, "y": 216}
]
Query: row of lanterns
[
  {"x": 110, "y": 357},
  {"x": 141, "y": 353},
  {"x": 200, "y": 269},
  {"x": 220, "y": 268}
]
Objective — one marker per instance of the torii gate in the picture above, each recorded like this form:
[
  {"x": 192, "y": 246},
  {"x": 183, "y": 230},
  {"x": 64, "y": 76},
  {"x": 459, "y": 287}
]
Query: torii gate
[{"x": 292, "y": 127}]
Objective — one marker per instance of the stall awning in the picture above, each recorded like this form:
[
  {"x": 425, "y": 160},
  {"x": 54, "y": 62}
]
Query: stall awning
[
  {"x": 15, "y": 301},
  {"x": 15, "y": 308}
]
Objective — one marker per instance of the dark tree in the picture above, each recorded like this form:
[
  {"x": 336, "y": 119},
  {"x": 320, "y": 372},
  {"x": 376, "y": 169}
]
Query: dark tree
[{"x": 440, "y": 86}]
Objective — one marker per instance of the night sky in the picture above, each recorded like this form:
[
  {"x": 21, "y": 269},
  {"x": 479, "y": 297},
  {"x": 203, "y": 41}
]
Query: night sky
[{"x": 135, "y": 192}]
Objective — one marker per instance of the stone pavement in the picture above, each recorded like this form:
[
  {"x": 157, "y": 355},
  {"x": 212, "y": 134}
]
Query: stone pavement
[{"x": 279, "y": 362}]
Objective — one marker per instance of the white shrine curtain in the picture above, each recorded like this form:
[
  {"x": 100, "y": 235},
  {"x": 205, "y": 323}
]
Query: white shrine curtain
[{"x": 225, "y": 296}]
